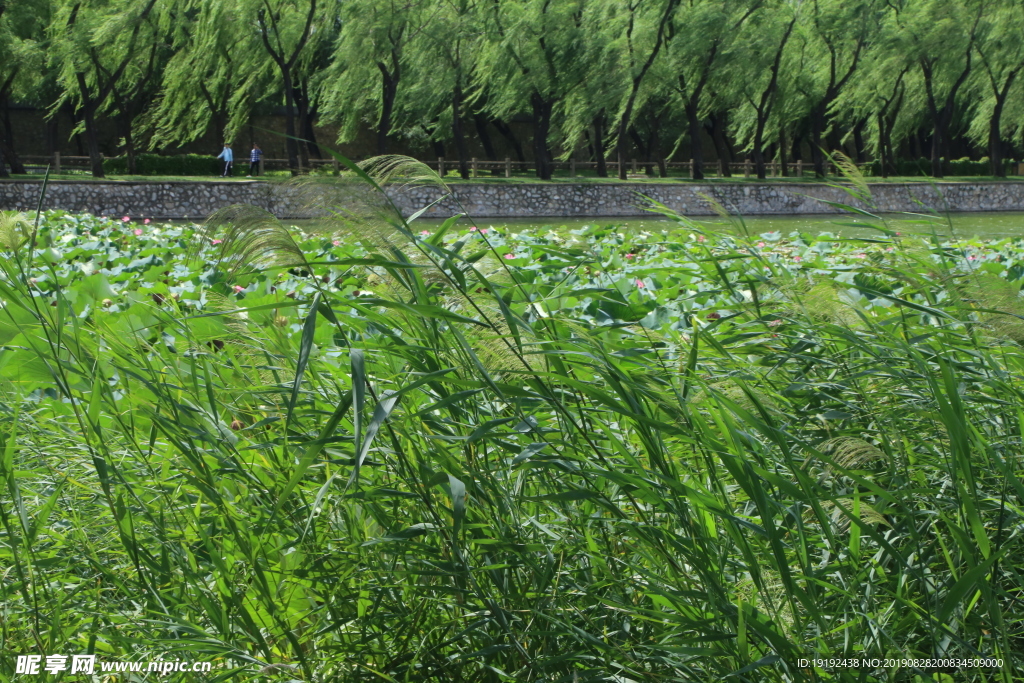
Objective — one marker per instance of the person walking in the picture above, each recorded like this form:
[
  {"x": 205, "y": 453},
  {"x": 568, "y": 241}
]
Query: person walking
[
  {"x": 229, "y": 160},
  {"x": 254, "y": 160}
]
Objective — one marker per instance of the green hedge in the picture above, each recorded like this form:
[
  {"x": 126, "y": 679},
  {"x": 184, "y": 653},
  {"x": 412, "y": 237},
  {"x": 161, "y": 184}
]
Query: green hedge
[
  {"x": 155, "y": 164},
  {"x": 957, "y": 167}
]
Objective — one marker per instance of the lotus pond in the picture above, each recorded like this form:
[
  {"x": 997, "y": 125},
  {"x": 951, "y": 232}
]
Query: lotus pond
[{"x": 371, "y": 452}]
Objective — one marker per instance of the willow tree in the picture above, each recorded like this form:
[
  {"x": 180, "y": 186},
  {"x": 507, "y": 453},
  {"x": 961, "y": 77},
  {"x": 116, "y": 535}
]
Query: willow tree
[
  {"x": 286, "y": 29},
  {"x": 1000, "y": 51},
  {"x": 441, "y": 73},
  {"x": 938, "y": 40},
  {"x": 362, "y": 83},
  {"x": 645, "y": 25},
  {"x": 837, "y": 33},
  {"x": 754, "y": 72},
  {"x": 93, "y": 43},
  {"x": 528, "y": 63},
  {"x": 700, "y": 46},
  {"x": 212, "y": 77},
  {"x": 22, "y": 57}
]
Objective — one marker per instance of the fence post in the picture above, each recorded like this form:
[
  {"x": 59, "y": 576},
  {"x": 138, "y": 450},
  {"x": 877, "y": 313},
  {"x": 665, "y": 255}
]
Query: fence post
[
  {"x": 746, "y": 168},
  {"x": 334, "y": 160},
  {"x": 572, "y": 168},
  {"x": 474, "y": 167},
  {"x": 440, "y": 166},
  {"x": 721, "y": 168},
  {"x": 508, "y": 167},
  {"x": 56, "y": 162},
  {"x": 800, "y": 168},
  {"x": 691, "y": 169},
  {"x": 633, "y": 162}
]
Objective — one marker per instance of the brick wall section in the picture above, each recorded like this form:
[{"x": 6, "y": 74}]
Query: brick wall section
[{"x": 196, "y": 200}]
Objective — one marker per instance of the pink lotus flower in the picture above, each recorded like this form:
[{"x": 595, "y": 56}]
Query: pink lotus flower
[
  {"x": 510, "y": 255},
  {"x": 631, "y": 256},
  {"x": 146, "y": 222},
  {"x": 238, "y": 288},
  {"x": 890, "y": 248},
  {"x": 216, "y": 241},
  {"x": 137, "y": 231},
  {"x": 640, "y": 284},
  {"x": 125, "y": 219},
  {"x": 483, "y": 231},
  {"x": 798, "y": 258},
  {"x": 860, "y": 255},
  {"x": 336, "y": 243},
  {"x": 473, "y": 229},
  {"x": 971, "y": 257},
  {"x": 761, "y": 245},
  {"x": 425, "y": 233},
  {"x": 702, "y": 239},
  {"x": 775, "y": 323}
]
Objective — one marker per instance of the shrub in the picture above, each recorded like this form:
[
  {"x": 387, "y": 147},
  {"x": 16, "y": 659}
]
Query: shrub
[
  {"x": 157, "y": 164},
  {"x": 923, "y": 167}
]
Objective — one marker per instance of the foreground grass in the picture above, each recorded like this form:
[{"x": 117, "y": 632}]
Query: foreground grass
[{"x": 456, "y": 456}]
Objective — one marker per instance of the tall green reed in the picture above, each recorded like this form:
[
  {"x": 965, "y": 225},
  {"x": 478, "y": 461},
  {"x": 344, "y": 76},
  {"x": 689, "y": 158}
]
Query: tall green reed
[{"x": 437, "y": 483}]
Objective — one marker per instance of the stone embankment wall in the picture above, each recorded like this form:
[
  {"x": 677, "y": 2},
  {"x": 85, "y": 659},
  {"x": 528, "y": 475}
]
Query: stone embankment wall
[{"x": 197, "y": 200}]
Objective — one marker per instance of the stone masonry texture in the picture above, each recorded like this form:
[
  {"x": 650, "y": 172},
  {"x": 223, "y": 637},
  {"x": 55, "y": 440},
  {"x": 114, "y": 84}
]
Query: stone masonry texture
[{"x": 197, "y": 200}]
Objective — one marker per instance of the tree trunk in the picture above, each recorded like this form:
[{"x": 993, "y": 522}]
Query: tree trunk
[
  {"x": 506, "y": 132},
  {"x": 13, "y": 160},
  {"x": 390, "y": 89},
  {"x": 91, "y": 141},
  {"x": 783, "y": 161},
  {"x": 644, "y": 148},
  {"x": 718, "y": 126},
  {"x": 883, "y": 156},
  {"x": 995, "y": 138},
  {"x": 938, "y": 143},
  {"x": 541, "y": 128},
  {"x": 599, "y": 149},
  {"x": 758, "y": 150},
  {"x": 817, "y": 130},
  {"x": 289, "y": 121},
  {"x": 457, "y": 133},
  {"x": 485, "y": 139},
  {"x": 301, "y": 113},
  {"x": 858, "y": 140},
  {"x": 129, "y": 150},
  {"x": 696, "y": 152},
  {"x": 308, "y": 115},
  {"x": 3, "y": 166}
]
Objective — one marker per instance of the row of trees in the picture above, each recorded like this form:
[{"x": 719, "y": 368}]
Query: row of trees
[{"x": 768, "y": 77}]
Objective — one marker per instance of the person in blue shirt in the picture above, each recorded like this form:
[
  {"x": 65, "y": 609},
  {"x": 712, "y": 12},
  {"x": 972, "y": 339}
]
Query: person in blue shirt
[
  {"x": 254, "y": 160},
  {"x": 229, "y": 160}
]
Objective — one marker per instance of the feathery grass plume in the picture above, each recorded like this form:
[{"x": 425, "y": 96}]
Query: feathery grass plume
[
  {"x": 989, "y": 291},
  {"x": 848, "y": 169},
  {"x": 731, "y": 390},
  {"x": 841, "y": 521},
  {"x": 366, "y": 212},
  {"x": 851, "y": 453},
  {"x": 822, "y": 303},
  {"x": 251, "y": 239},
  {"x": 15, "y": 230},
  {"x": 715, "y": 206}
]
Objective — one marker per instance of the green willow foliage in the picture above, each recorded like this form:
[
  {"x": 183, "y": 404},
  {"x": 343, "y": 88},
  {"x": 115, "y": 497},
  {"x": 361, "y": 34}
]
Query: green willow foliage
[
  {"x": 379, "y": 452},
  {"x": 767, "y": 78}
]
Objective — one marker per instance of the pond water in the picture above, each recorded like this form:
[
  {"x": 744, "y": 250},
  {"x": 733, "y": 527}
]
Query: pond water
[{"x": 986, "y": 225}]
